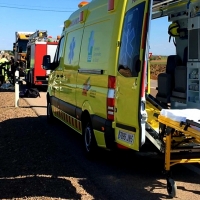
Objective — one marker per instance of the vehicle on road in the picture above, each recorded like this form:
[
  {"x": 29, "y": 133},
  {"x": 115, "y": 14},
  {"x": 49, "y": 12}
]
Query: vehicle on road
[
  {"x": 39, "y": 44},
  {"x": 19, "y": 50}
]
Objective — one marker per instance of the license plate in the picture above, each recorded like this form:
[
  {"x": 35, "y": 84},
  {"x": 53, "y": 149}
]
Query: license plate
[{"x": 126, "y": 137}]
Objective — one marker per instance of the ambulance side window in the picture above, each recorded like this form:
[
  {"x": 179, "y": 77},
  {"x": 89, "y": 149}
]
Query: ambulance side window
[
  {"x": 129, "y": 62},
  {"x": 59, "y": 51}
]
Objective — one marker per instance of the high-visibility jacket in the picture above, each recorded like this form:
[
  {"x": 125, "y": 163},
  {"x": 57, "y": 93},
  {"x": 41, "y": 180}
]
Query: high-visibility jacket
[
  {"x": 4, "y": 70},
  {"x": 3, "y": 60}
]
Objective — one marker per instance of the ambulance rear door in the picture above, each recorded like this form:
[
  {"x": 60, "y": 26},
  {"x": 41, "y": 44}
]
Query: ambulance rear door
[{"x": 130, "y": 114}]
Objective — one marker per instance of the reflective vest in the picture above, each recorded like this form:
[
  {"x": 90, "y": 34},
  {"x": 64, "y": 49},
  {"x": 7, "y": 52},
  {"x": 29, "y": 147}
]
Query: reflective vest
[{"x": 5, "y": 68}]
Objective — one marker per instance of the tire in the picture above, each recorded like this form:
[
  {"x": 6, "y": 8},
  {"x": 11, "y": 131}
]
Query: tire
[
  {"x": 50, "y": 117},
  {"x": 171, "y": 187},
  {"x": 89, "y": 141}
]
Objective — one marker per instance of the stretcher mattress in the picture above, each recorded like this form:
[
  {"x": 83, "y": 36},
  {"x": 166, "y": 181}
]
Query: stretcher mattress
[{"x": 181, "y": 115}]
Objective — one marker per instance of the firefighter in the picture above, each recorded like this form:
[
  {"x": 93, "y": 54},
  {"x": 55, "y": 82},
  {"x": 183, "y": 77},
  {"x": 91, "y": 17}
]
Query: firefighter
[
  {"x": 4, "y": 67},
  {"x": 3, "y": 59},
  {"x": 13, "y": 69}
]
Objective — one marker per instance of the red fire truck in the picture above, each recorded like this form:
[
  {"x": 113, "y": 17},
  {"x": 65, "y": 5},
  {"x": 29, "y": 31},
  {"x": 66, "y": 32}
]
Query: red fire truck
[{"x": 39, "y": 44}]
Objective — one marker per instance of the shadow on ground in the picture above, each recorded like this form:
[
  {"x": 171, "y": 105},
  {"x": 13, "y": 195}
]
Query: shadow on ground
[{"x": 37, "y": 159}]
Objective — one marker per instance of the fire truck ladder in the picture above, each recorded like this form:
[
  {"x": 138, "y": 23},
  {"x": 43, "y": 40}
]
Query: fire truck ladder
[{"x": 38, "y": 35}]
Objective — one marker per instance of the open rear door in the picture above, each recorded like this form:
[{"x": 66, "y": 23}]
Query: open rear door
[{"x": 130, "y": 86}]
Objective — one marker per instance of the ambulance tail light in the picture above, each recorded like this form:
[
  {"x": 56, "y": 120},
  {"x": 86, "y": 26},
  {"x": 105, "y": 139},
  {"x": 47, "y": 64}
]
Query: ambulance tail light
[
  {"x": 111, "y": 82},
  {"x": 111, "y": 5},
  {"x": 81, "y": 17},
  {"x": 111, "y": 97}
]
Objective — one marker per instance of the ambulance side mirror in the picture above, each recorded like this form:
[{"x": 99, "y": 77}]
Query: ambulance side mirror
[{"x": 46, "y": 63}]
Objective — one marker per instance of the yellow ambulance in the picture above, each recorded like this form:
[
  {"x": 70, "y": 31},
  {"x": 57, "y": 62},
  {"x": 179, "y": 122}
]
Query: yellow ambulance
[{"x": 97, "y": 84}]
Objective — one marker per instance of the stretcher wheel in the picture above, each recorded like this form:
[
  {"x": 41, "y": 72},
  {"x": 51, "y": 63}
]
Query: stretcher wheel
[{"x": 171, "y": 187}]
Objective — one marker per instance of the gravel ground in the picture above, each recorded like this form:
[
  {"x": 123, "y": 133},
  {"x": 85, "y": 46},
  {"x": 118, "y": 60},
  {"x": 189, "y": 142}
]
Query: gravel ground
[
  {"x": 42, "y": 161},
  {"x": 30, "y": 165}
]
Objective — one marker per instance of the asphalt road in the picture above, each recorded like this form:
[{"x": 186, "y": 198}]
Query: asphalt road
[{"x": 113, "y": 175}]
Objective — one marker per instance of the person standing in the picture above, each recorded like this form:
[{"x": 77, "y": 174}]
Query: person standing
[
  {"x": 13, "y": 69},
  {"x": 4, "y": 67},
  {"x": 3, "y": 59}
]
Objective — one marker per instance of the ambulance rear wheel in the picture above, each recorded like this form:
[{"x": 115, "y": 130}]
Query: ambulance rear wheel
[
  {"x": 90, "y": 144},
  {"x": 50, "y": 117},
  {"x": 171, "y": 187}
]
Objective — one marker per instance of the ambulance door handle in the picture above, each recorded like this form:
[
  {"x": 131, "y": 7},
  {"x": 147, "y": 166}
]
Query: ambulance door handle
[{"x": 134, "y": 86}]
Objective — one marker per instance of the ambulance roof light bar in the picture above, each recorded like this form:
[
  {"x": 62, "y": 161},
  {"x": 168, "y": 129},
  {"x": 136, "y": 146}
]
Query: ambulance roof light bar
[{"x": 83, "y": 3}]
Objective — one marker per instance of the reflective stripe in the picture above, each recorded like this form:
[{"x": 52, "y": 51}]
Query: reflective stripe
[
  {"x": 110, "y": 108},
  {"x": 110, "y": 113}
]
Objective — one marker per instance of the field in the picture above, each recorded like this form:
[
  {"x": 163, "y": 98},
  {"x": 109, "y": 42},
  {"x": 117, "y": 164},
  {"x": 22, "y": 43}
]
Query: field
[{"x": 157, "y": 66}]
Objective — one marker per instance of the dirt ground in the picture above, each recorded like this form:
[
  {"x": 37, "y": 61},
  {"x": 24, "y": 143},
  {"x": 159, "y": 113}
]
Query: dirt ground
[
  {"x": 157, "y": 67},
  {"x": 40, "y": 161},
  {"x": 28, "y": 155}
]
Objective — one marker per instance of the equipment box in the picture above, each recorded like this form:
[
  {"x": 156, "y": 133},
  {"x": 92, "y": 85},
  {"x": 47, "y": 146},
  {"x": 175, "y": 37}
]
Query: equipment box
[
  {"x": 193, "y": 90},
  {"x": 194, "y": 39}
]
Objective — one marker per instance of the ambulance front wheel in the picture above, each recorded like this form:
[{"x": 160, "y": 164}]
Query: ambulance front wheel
[
  {"x": 90, "y": 144},
  {"x": 171, "y": 187}
]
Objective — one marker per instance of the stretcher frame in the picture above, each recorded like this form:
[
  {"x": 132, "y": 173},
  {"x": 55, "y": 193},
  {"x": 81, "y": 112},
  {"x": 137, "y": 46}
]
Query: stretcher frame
[
  {"x": 190, "y": 155},
  {"x": 184, "y": 127},
  {"x": 177, "y": 149}
]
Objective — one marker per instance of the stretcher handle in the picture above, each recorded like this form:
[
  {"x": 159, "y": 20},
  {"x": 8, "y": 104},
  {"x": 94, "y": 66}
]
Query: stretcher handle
[
  {"x": 188, "y": 123},
  {"x": 156, "y": 115},
  {"x": 191, "y": 122}
]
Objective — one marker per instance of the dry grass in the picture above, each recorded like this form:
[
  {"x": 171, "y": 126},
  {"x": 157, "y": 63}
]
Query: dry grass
[{"x": 157, "y": 67}]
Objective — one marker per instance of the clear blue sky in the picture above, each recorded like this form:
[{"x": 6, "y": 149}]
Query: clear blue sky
[{"x": 14, "y": 18}]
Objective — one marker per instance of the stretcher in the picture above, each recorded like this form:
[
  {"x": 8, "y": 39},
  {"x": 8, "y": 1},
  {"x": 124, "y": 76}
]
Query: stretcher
[
  {"x": 180, "y": 130},
  {"x": 176, "y": 134}
]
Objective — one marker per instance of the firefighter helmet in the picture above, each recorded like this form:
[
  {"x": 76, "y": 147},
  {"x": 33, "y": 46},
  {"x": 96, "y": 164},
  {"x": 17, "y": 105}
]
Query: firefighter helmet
[{"x": 173, "y": 29}]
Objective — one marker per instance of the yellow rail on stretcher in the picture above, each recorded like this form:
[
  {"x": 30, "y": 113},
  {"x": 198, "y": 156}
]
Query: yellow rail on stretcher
[
  {"x": 180, "y": 142},
  {"x": 152, "y": 120},
  {"x": 172, "y": 126}
]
